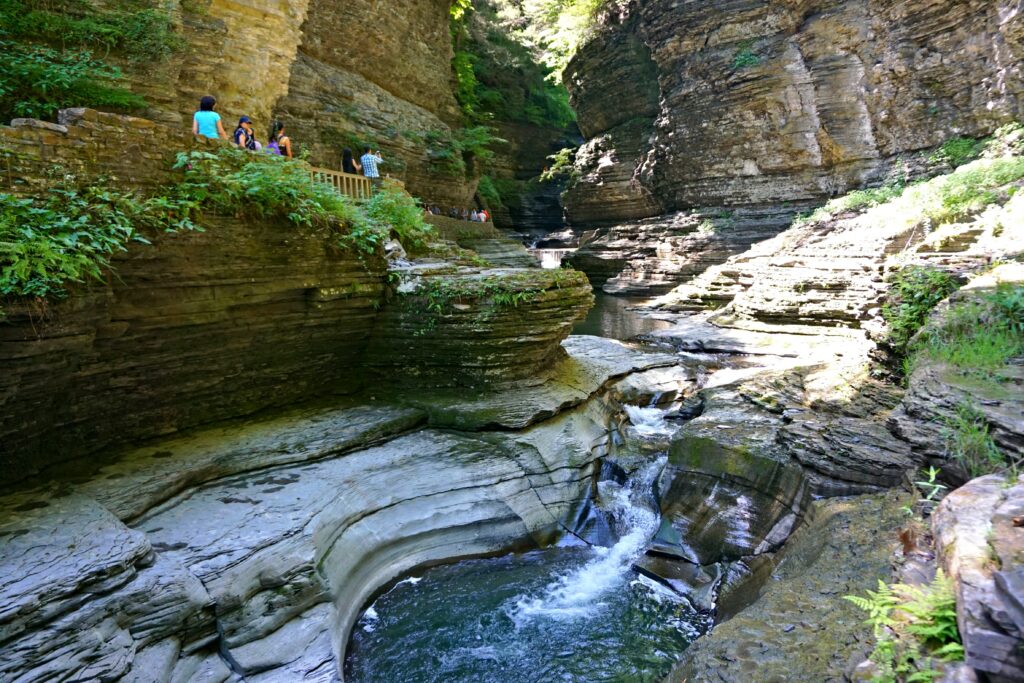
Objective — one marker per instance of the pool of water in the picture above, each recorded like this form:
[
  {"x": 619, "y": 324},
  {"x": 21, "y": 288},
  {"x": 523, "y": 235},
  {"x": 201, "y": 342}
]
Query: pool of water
[
  {"x": 612, "y": 317},
  {"x": 573, "y": 614},
  {"x": 470, "y": 623}
]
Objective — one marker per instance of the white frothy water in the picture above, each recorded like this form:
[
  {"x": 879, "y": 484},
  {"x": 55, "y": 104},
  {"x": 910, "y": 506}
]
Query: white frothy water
[
  {"x": 648, "y": 421},
  {"x": 578, "y": 593}
]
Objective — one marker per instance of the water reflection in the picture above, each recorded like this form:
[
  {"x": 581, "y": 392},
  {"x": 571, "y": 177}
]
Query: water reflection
[{"x": 611, "y": 317}]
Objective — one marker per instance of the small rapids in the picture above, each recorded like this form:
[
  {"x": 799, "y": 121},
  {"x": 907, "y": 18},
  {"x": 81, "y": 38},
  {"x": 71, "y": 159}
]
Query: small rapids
[{"x": 578, "y": 593}]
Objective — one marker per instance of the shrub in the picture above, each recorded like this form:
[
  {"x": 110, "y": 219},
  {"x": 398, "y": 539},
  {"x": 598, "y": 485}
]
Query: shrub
[
  {"x": 958, "y": 151},
  {"x": 563, "y": 164},
  {"x": 394, "y": 209},
  {"x": 47, "y": 60},
  {"x": 37, "y": 81},
  {"x": 979, "y": 337},
  {"x": 489, "y": 193},
  {"x": 69, "y": 235},
  {"x": 914, "y": 291},
  {"x": 745, "y": 57},
  {"x": 968, "y": 442},
  {"x": 914, "y": 627}
]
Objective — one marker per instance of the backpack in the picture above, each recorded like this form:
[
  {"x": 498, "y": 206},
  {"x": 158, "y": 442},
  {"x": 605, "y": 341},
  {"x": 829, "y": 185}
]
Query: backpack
[{"x": 273, "y": 148}]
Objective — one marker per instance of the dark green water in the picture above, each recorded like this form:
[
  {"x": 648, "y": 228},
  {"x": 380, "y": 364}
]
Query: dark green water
[
  {"x": 613, "y": 318},
  {"x": 472, "y": 622}
]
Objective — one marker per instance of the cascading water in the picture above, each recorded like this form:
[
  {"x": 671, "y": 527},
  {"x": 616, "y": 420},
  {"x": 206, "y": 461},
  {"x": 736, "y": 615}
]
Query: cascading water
[
  {"x": 578, "y": 593},
  {"x": 572, "y": 613}
]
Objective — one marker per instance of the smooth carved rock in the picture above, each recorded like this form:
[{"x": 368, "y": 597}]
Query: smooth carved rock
[
  {"x": 727, "y": 490},
  {"x": 982, "y": 551},
  {"x": 591, "y": 362}
]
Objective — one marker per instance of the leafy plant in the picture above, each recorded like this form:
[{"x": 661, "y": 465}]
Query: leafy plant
[
  {"x": 980, "y": 336},
  {"x": 489, "y": 192},
  {"x": 745, "y": 57},
  {"x": 37, "y": 81},
  {"x": 968, "y": 441},
  {"x": 914, "y": 291},
  {"x": 958, "y": 151},
  {"x": 914, "y": 627},
  {"x": 69, "y": 235},
  {"x": 563, "y": 164},
  {"x": 395, "y": 210},
  {"x": 47, "y": 54}
]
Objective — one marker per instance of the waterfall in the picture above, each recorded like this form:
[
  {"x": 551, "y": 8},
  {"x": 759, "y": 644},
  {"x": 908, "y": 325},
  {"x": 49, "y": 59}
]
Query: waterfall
[
  {"x": 550, "y": 258},
  {"x": 579, "y": 593}
]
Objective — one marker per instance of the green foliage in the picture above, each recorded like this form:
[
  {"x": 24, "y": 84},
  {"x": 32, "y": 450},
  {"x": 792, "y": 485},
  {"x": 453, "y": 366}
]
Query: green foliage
[
  {"x": 141, "y": 34},
  {"x": 560, "y": 27},
  {"x": 858, "y": 200},
  {"x": 489, "y": 193},
  {"x": 563, "y": 164},
  {"x": 47, "y": 51},
  {"x": 969, "y": 189},
  {"x": 37, "y": 81},
  {"x": 958, "y": 151},
  {"x": 968, "y": 441},
  {"x": 452, "y": 150},
  {"x": 396, "y": 210},
  {"x": 500, "y": 72},
  {"x": 914, "y": 627},
  {"x": 235, "y": 182},
  {"x": 914, "y": 291},
  {"x": 979, "y": 336},
  {"x": 490, "y": 293},
  {"x": 745, "y": 56},
  {"x": 69, "y": 235}
]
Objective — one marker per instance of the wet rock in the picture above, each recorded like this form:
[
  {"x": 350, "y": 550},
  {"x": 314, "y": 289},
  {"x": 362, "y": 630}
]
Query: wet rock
[
  {"x": 801, "y": 629},
  {"x": 982, "y": 550},
  {"x": 727, "y": 490}
]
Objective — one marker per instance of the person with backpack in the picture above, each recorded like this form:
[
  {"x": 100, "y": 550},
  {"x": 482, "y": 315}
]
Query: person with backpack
[
  {"x": 279, "y": 143},
  {"x": 206, "y": 121},
  {"x": 244, "y": 137}
]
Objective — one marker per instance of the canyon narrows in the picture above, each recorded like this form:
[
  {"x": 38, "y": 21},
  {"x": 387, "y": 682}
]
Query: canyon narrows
[{"x": 725, "y": 384}]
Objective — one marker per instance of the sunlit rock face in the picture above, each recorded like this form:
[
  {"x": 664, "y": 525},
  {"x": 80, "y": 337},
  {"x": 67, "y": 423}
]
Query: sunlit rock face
[{"x": 764, "y": 102}]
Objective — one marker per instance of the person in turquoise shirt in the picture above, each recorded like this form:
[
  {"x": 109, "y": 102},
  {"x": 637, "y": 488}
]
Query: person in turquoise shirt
[{"x": 206, "y": 121}]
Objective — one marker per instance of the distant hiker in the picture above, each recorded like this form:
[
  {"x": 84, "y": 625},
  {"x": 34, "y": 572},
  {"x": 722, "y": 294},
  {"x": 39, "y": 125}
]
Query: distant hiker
[
  {"x": 206, "y": 121},
  {"x": 348, "y": 162},
  {"x": 369, "y": 160},
  {"x": 279, "y": 142},
  {"x": 244, "y": 137},
  {"x": 474, "y": 216},
  {"x": 484, "y": 215}
]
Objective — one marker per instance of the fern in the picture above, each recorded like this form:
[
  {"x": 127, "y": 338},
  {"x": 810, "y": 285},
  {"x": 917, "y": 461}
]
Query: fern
[{"x": 914, "y": 628}]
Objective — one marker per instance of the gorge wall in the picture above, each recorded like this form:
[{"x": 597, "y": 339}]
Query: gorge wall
[{"x": 771, "y": 106}]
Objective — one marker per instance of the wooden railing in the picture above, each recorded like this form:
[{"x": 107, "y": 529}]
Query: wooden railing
[
  {"x": 351, "y": 184},
  {"x": 355, "y": 186}
]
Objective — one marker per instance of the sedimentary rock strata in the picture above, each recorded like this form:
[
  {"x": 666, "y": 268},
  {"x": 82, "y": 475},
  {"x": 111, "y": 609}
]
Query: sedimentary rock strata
[
  {"x": 250, "y": 549},
  {"x": 764, "y": 103}
]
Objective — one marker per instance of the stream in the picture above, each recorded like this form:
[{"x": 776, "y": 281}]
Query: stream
[{"x": 571, "y": 613}]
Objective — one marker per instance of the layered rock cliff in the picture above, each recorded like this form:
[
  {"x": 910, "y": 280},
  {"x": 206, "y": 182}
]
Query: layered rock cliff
[{"x": 776, "y": 104}]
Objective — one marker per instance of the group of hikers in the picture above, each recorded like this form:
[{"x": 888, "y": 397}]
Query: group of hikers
[
  {"x": 474, "y": 215},
  {"x": 207, "y": 123}
]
